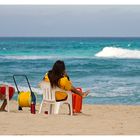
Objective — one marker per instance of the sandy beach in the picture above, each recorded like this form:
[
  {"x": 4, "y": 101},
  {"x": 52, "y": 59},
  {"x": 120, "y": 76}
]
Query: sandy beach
[{"x": 94, "y": 120}]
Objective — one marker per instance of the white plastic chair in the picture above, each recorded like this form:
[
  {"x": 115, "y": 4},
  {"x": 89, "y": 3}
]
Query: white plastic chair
[{"x": 49, "y": 97}]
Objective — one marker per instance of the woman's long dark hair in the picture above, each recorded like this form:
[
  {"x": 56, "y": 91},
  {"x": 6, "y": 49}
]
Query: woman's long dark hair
[{"x": 56, "y": 73}]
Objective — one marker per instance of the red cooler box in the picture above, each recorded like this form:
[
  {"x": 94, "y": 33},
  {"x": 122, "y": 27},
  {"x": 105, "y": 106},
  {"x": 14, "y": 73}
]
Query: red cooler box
[{"x": 77, "y": 102}]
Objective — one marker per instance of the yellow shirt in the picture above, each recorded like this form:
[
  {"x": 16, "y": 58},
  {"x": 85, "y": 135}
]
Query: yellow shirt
[{"x": 64, "y": 83}]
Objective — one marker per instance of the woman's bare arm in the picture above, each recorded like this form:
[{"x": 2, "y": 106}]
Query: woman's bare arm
[{"x": 83, "y": 94}]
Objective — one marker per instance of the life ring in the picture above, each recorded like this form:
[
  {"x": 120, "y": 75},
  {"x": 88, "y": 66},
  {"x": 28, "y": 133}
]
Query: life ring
[{"x": 11, "y": 91}]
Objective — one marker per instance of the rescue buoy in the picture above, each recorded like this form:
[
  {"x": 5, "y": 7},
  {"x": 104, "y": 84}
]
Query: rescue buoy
[{"x": 11, "y": 91}]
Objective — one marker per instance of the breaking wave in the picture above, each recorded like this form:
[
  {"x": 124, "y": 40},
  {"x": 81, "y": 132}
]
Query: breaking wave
[{"x": 114, "y": 52}]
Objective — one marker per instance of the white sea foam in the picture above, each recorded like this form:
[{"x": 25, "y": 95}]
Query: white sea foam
[
  {"x": 4, "y": 48},
  {"x": 110, "y": 94},
  {"x": 120, "y": 91},
  {"x": 5, "y": 83},
  {"x": 25, "y": 57},
  {"x": 36, "y": 90},
  {"x": 114, "y": 52},
  {"x": 23, "y": 88},
  {"x": 35, "y": 57}
]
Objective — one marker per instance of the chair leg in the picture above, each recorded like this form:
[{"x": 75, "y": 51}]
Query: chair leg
[
  {"x": 8, "y": 109},
  {"x": 71, "y": 106},
  {"x": 7, "y": 97},
  {"x": 56, "y": 107},
  {"x": 40, "y": 109},
  {"x": 70, "y": 109},
  {"x": 50, "y": 110}
]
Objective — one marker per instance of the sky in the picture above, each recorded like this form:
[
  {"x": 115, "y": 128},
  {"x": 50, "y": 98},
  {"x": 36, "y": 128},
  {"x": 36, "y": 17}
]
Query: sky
[{"x": 70, "y": 20}]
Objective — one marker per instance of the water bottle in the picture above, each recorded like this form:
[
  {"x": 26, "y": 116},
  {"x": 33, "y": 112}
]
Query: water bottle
[{"x": 33, "y": 108}]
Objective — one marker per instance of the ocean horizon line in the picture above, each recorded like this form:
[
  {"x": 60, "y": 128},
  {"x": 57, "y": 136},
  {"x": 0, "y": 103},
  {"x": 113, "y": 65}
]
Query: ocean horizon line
[{"x": 69, "y": 36}]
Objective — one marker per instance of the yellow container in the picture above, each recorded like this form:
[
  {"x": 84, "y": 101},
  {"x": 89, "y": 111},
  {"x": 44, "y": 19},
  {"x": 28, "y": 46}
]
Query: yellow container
[{"x": 24, "y": 99}]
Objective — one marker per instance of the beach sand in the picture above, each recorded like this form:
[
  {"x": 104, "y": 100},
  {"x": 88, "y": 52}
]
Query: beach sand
[{"x": 94, "y": 120}]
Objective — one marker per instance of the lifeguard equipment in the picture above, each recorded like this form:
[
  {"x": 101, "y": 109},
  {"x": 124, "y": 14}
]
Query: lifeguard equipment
[
  {"x": 8, "y": 91},
  {"x": 11, "y": 91},
  {"x": 33, "y": 108},
  {"x": 25, "y": 99},
  {"x": 77, "y": 102}
]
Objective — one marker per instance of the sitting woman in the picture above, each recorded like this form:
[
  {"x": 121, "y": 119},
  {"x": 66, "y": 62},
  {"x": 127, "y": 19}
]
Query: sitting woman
[{"x": 58, "y": 77}]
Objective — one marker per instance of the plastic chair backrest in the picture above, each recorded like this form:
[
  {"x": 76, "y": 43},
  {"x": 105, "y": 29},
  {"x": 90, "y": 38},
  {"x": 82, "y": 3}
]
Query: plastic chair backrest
[{"x": 48, "y": 92}]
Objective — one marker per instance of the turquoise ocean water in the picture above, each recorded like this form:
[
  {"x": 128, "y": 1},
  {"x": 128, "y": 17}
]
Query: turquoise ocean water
[{"x": 110, "y": 67}]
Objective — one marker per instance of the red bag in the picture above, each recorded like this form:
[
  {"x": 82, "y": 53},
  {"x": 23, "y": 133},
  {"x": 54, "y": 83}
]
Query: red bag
[
  {"x": 77, "y": 102},
  {"x": 11, "y": 91}
]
